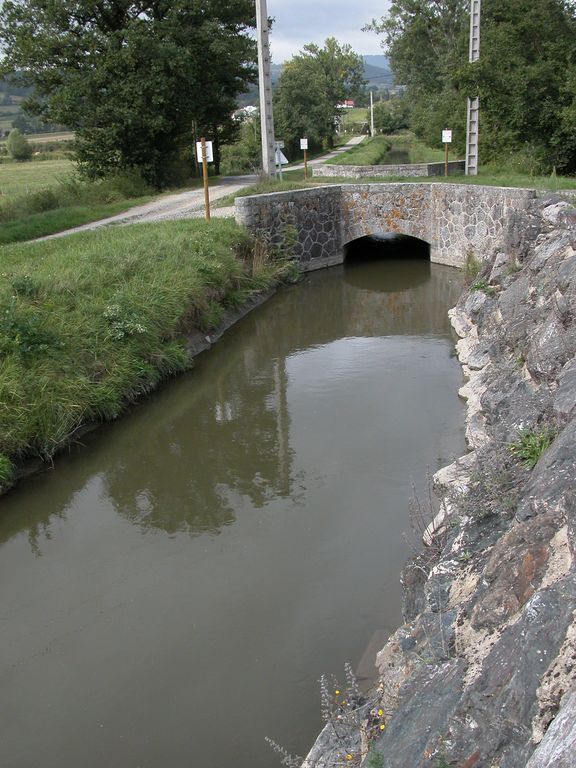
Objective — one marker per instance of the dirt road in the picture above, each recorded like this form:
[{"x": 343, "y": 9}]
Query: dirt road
[{"x": 190, "y": 204}]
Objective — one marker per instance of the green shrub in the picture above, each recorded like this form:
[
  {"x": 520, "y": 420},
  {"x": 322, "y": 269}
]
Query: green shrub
[{"x": 18, "y": 146}]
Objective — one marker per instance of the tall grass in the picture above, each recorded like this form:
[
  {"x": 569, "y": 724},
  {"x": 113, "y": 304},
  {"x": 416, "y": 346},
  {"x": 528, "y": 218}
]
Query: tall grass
[
  {"x": 66, "y": 203},
  {"x": 90, "y": 322}
]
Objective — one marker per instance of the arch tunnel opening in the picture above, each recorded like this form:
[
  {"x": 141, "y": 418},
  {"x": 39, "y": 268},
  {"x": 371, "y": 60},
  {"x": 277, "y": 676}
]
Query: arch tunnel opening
[
  {"x": 387, "y": 262},
  {"x": 386, "y": 245}
]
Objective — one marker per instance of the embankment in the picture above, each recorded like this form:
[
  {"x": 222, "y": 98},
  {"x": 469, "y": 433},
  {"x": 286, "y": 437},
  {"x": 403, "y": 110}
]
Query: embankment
[{"x": 483, "y": 671}]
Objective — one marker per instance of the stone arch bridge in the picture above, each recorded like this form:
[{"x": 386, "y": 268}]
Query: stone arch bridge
[{"x": 457, "y": 220}]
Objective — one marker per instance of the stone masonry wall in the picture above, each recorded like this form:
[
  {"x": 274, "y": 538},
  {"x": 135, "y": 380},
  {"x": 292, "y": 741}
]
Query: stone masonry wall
[
  {"x": 457, "y": 220},
  {"x": 405, "y": 169}
]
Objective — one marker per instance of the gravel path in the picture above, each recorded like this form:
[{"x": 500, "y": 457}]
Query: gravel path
[{"x": 190, "y": 204}]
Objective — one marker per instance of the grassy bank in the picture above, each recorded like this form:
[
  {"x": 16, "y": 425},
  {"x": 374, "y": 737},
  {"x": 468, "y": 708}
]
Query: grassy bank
[
  {"x": 374, "y": 151},
  {"x": 90, "y": 322},
  {"x": 59, "y": 203},
  {"x": 369, "y": 152}
]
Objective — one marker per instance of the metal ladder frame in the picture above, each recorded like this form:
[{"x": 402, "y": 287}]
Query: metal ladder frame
[{"x": 474, "y": 103}]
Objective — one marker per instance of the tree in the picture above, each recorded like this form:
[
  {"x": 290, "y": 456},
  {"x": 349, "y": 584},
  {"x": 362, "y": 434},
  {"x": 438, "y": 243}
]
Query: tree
[
  {"x": 527, "y": 62},
  {"x": 18, "y": 146},
  {"x": 134, "y": 79},
  {"x": 391, "y": 115},
  {"x": 425, "y": 41},
  {"x": 310, "y": 88},
  {"x": 528, "y": 56}
]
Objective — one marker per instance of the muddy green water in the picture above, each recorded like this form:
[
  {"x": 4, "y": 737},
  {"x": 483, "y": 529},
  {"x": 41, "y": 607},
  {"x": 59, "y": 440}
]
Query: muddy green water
[{"x": 172, "y": 590}]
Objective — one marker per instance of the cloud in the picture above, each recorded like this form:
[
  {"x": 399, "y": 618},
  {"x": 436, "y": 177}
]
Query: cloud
[{"x": 298, "y": 22}]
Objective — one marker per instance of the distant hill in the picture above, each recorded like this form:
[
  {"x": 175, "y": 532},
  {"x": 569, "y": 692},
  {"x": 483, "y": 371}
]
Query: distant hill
[
  {"x": 377, "y": 71},
  {"x": 378, "y": 60}
]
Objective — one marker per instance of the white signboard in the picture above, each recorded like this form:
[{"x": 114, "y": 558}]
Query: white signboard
[
  {"x": 209, "y": 153},
  {"x": 303, "y": 143},
  {"x": 280, "y": 144},
  {"x": 280, "y": 157},
  {"x": 446, "y": 137}
]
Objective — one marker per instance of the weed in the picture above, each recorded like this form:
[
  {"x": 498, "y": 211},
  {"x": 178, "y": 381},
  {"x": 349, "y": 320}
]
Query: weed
[
  {"x": 211, "y": 315},
  {"x": 472, "y": 266},
  {"x": 123, "y": 322},
  {"x": 512, "y": 268},
  {"x": 492, "y": 488},
  {"x": 530, "y": 446},
  {"x": 352, "y": 719},
  {"x": 6, "y": 470},
  {"x": 484, "y": 286},
  {"x": 25, "y": 333},
  {"x": 25, "y": 286}
]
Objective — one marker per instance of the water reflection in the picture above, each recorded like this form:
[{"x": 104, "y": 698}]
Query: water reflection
[
  {"x": 390, "y": 276},
  {"x": 223, "y": 431},
  {"x": 232, "y": 436}
]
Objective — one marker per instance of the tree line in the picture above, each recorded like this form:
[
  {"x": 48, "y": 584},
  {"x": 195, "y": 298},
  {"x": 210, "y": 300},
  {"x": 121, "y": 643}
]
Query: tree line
[
  {"x": 525, "y": 77},
  {"x": 140, "y": 80}
]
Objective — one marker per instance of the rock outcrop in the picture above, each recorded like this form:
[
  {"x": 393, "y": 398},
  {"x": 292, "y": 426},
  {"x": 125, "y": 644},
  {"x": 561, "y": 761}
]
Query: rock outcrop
[{"x": 483, "y": 672}]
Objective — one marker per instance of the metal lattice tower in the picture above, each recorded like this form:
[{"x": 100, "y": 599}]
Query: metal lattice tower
[
  {"x": 265, "y": 85},
  {"x": 473, "y": 104}
]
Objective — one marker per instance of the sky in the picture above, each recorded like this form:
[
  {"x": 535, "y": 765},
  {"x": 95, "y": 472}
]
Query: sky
[{"x": 298, "y": 22}]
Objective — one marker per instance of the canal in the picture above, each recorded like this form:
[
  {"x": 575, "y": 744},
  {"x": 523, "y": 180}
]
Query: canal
[{"x": 171, "y": 591}]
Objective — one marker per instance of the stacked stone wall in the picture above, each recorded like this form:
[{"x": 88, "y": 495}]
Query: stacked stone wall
[
  {"x": 457, "y": 220},
  {"x": 407, "y": 170}
]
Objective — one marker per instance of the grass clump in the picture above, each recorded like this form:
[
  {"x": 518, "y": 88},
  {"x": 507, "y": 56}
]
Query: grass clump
[
  {"x": 484, "y": 286},
  {"x": 6, "y": 471},
  {"x": 530, "y": 446},
  {"x": 90, "y": 322}
]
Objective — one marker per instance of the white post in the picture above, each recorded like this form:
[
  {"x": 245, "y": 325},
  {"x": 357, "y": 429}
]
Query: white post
[
  {"x": 371, "y": 114},
  {"x": 474, "y": 103},
  {"x": 265, "y": 85}
]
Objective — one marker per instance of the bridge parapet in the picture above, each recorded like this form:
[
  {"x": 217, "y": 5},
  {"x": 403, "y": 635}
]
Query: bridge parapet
[{"x": 455, "y": 219}]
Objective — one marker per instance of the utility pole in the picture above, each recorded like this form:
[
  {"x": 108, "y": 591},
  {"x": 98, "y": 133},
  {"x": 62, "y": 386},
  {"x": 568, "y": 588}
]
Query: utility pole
[
  {"x": 474, "y": 103},
  {"x": 265, "y": 85}
]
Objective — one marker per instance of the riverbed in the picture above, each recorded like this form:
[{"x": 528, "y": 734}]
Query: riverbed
[{"x": 172, "y": 589}]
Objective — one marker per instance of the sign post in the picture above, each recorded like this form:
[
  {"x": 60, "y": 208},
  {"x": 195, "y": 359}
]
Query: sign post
[
  {"x": 304, "y": 146},
  {"x": 446, "y": 139},
  {"x": 205, "y": 155},
  {"x": 279, "y": 157}
]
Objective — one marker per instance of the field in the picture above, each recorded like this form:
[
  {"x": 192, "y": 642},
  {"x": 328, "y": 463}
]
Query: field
[
  {"x": 23, "y": 178},
  {"x": 354, "y": 119}
]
